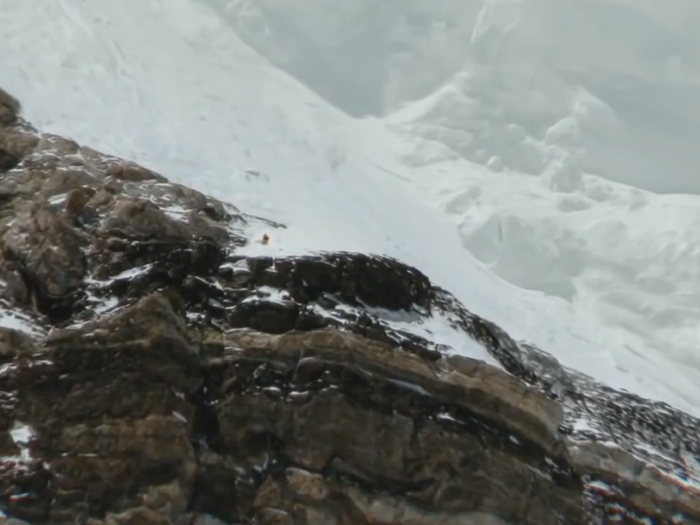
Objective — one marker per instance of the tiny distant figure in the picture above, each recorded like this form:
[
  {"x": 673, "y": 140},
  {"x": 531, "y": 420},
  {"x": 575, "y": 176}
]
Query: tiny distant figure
[{"x": 265, "y": 239}]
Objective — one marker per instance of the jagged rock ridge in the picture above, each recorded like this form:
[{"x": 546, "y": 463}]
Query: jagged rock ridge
[{"x": 152, "y": 373}]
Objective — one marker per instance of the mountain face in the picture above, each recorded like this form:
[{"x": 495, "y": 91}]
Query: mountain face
[
  {"x": 604, "y": 276},
  {"x": 612, "y": 82},
  {"x": 155, "y": 371},
  {"x": 170, "y": 358},
  {"x": 539, "y": 129}
]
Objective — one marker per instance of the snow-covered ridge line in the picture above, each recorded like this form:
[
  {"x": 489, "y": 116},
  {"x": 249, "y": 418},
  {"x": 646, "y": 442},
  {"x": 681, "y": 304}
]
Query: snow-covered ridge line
[
  {"x": 437, "y": 321},
  {"x": 190, "y": 286}
]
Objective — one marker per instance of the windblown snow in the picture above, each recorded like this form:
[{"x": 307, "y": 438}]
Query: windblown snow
[{"x": 490, "y": 146}]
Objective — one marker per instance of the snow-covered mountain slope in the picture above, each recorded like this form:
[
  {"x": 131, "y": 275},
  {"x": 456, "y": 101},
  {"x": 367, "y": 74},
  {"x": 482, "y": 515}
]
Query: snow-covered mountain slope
[
  {"x": 613, "y": 82},
  {"x": 171, "y": 85},
  {"x": 521, "y": 115}
]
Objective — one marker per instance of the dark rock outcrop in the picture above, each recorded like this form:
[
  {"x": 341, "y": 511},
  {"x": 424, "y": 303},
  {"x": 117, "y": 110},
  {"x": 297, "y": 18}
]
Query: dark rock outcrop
[{"x": 152, "y": 373}]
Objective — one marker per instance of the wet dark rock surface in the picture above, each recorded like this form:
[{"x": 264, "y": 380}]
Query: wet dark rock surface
[{"x": 153, "y": 373}]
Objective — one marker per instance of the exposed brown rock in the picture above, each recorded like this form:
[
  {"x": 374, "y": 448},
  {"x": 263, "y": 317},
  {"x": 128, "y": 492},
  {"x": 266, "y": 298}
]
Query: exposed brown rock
[
  {"x": 9, "y": 107},
  {"x": 152, "y": 375}
]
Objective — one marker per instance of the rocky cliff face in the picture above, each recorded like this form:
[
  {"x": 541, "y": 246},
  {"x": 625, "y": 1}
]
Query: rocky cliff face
[{"x": 151, "y": 373}]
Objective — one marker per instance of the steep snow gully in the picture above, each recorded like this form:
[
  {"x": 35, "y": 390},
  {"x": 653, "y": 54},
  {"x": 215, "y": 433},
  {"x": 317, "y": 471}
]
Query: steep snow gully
[{"x": 492, "y": 171}]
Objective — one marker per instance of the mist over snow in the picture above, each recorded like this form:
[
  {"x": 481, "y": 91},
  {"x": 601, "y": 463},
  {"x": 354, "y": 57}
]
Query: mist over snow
[
  {"x": 538, "y": 158},
  {"x": 613, "y": 83}
]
